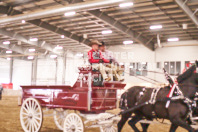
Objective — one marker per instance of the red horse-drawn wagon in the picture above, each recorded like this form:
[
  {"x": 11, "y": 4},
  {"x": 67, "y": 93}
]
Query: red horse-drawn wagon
[{"x": 88, "y": 99}]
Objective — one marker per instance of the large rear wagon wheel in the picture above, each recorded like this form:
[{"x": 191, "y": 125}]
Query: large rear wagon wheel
[
  {"x": 31, "y": 115},
  {"x": 59, "y": 118},
  {"x": 73, "y": 123}
]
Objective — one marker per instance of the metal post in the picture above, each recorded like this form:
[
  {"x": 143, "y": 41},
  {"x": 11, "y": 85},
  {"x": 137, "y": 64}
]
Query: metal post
[
  {"x": 11, "y": 69},
  {"x": 89, "y": 98},
  {"x": 64, "y": 67},
  {"x": 56, "y": 73},
  {"x": 34, "y": 70}
]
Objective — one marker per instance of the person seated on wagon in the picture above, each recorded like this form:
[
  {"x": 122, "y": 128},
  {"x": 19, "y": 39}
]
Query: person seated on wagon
[
  {"x": 96, "y": 60},
  {"x": 116, "y": 68}
]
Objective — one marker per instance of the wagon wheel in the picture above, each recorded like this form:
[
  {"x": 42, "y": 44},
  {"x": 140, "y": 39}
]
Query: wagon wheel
[
  {"x": 112, "y": 128},
  {"x": 73, "y": 123},
  {"x": 59, "y": 118},
  {"x": 31, "y": 115}
]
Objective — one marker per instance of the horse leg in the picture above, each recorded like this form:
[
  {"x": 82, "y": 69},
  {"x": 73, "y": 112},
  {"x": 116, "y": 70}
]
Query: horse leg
[
  {"x": 123, "y": 120},
  {"x": 182, "y": 124},
  {"x": 133, "y": 121},
  {"x": 144, "y": 126},
  {"x": 173, "y": 128}
]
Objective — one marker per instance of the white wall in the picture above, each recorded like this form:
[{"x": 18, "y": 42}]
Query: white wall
[
  {"x": 142, "y": 54},
  {"x": 46, "y": 71},
  {"x": 21, "y": 73},
  {"x": 135, "y": 53},
  {"x": 72, "y": 64},
  {"x": 4, "y": 71}
]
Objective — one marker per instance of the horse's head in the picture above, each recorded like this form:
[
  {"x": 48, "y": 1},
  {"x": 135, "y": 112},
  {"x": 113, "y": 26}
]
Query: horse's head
[{"x": 189, "y": 80}]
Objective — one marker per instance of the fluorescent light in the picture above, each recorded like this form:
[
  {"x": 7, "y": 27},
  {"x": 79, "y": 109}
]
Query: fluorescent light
[
  {"x": 128, "y": 42},
  {"x": 156, "y": 27},
  {"x": 53, "y": 56},
  {"x": 106, "y": 32},
  {"x": 58, "y": 47},
  {"x": 9, "y": 51},
  {"x": 173, "y": 39},
  {"x": 6, "y": 42},
  {"x": 62, "y": 36},
  {"x": 30, "y": 57},
  {"x": 70, "y": 13},
  {"x": 8, "y": 58},
  {"x": 32, "y": 50},
  {"x": 79, "y": 55},
  {"x": 126, "y": 4},
  {"x": 23, "y": 21},
  {"x": 33, "y": 39}
]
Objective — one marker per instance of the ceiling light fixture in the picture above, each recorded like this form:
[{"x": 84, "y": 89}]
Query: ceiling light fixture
[
  {"x": 23, "y": 21},
  {"x": 9, "y": 51},
  {"x": 173, "y": 39},
  {"x": 62, "y": 36},
  {"x": 155, "y": 27},
  {"x": 6, "y": 42},
  {"x": 53, "y": 56},
  {"x": 70, "y": 13},
  {"x": 58, "y": 47},
  {"x": 126, "y": 4},
  {"x": 128, "y": 42},
  {"x": 32, "y": 50},
  {"x": 107, "y": 32},
  {"x": 33, "y": 39},
  {"x": 30, "y": 57}
]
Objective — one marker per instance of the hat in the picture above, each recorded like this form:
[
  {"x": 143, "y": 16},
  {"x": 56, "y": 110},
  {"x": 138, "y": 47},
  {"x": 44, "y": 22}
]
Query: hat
[
  {"x": 95, "y": 42},
  {"x": 102, "y": 43}
]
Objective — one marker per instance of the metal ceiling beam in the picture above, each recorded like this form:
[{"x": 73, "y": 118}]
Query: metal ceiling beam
[
  {"x": 192, "y": 1},
  {"x": 119, "y": 26},
  {"x": 82, "y": 6},
  {"x": 25, "y": 39},
  {"x": 4, "y": 9},
  {"x": 60, "y": 31},
  {"x": 13, "y": 47},
  {"x": 54, "y": 29},
  {"x": 188, "y": 11}
]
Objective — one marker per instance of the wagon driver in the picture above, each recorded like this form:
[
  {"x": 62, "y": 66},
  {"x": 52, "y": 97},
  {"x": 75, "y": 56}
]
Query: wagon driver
[
  {"x": 98, "y": 61},
  {"x": 116, "y": 68}
]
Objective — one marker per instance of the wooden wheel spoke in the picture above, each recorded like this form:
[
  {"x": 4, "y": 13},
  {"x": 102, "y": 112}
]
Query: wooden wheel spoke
[
  {"x": 31, "y": 115},
  {"x": 59, "y": 118},
  {"x": 37, "y": 118},
  {"x": 73, "y": 120}
]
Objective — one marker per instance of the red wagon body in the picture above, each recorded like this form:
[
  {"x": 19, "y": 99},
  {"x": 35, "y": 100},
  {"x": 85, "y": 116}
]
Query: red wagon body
[{"x": 83, "y": 96}]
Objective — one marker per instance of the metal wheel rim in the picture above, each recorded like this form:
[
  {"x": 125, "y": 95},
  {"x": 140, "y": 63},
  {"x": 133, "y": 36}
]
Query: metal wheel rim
[
  {"x": 73, "y": 123},
  {"x": 31, "y": 116},
  {"x": 59, "y": 118}
]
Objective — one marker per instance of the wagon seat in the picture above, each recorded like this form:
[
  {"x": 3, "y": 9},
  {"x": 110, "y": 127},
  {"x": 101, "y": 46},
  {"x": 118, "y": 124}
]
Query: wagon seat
[{"x": 96, "y": 76}]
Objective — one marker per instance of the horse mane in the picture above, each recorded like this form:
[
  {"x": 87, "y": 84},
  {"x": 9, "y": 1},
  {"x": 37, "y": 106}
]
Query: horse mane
[{"x": 186, "y": 74}]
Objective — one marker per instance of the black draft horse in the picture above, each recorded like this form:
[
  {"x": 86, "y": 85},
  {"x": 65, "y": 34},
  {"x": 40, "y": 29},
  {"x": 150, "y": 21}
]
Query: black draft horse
[{"x": 177, "y": 111}]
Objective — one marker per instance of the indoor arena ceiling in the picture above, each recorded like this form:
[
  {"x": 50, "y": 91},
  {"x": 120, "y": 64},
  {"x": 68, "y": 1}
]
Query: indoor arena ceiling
[{"x": 74, "y": 32}]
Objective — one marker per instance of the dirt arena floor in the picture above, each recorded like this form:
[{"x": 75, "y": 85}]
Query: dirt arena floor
[{"x": 10, "y": 122}]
